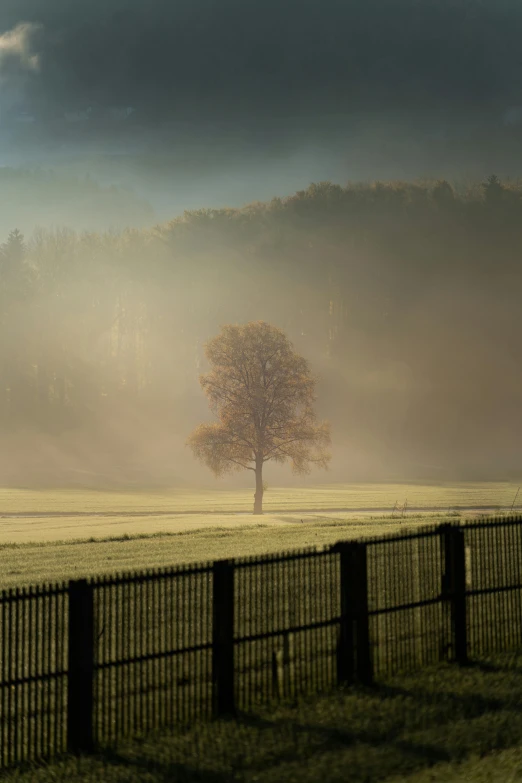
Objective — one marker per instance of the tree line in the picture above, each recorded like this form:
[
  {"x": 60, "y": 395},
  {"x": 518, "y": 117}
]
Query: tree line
[{"x": 419, "y": 275}]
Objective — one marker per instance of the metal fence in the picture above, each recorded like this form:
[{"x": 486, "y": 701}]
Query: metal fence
[
  {"x": 33, "y": 672},
  {"x": 152, "y": 643},
  {"x": 86, "y": 663}
]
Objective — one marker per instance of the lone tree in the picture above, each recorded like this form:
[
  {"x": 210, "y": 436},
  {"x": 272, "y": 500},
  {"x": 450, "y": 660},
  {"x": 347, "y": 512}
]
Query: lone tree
[{"x": 262, "y": 393}]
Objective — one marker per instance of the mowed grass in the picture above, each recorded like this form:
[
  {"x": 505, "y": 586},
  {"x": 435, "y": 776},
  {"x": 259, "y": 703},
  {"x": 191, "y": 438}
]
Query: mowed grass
[
  {"x": 443, "y": 724},
  {"x": 314, "y": 498},
  {"x": 139, "y": 530},
  {"x": 33, "y": 563}
]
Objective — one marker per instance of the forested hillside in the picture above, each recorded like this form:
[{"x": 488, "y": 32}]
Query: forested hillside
[{"x": 404, "y": 296}]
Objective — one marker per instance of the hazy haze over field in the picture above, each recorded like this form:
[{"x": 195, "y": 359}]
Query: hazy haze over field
[{"x": 405, "y": 301}]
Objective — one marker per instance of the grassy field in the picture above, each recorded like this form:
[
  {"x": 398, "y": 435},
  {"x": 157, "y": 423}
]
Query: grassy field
[
  {"x": 129, "y": 530},
  {"x": 52, "y": 561},
  {"x": 278, "y": 499},
  {"x": 444, "y": 724}
]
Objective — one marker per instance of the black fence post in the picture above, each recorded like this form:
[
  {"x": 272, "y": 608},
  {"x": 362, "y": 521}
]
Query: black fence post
[
  {"x": 353, "y": 652},
  {"x": 454, "y": 590},
  {"x": 345, "y": 644},
  {"x": 364, "y": 665},
  {"x": 80, "y": 682},
  {"x": 223, "y": 698}
]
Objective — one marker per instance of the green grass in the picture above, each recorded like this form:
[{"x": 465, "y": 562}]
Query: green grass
[
  {"x": 43, "y": 561},
  {"x": 442, "y": 724}
]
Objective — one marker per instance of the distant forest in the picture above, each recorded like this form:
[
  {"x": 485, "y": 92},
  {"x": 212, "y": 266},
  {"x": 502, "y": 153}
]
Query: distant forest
[{"x": 406, "y": 298}]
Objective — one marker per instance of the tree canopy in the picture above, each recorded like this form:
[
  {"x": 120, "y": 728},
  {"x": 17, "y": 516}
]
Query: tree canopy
[{"x": 263, "y": 395}]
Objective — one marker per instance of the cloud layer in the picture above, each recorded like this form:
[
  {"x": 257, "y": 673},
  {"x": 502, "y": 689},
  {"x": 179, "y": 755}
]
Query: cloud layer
[
  {"x": 208, "y": 59},
  {"x": 271, "y": 69},
  {"x": 17, "y": 53}
]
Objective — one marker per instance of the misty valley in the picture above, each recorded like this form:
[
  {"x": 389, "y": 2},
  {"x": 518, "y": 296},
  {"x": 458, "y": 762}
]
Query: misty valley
[
  {"x": 402, "y": 296},
  {"x": 372, "y": 330}
]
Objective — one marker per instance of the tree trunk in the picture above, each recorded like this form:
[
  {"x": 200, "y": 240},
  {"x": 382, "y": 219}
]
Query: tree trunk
[{"x": 258, "y": 497}]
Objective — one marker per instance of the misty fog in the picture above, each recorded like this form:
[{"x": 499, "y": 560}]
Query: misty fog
[
  {"x": 404, "y": 297},
  {"x": 157, "y": 159}
]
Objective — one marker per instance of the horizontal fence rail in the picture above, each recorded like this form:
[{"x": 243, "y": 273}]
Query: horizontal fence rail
[{"x": 86, "y": 663}]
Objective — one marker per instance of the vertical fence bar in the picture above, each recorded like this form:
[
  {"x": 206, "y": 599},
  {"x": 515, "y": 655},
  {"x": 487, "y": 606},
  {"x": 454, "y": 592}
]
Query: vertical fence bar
[
  {"x": 345, "y": 645},
  {"x": 126, "y": 651},
  {"x": 460, "y": 629},
  {"x": 80, "y": 668},
  {"x": 188, "y": 672},
  {"x": 180, "y": 626},
  {"x": 110, "y": 673},
  {"x": 9, "y": 710},
  {"x": 223, "y": 701},
  {"x": 18, "y": 691},
  {"x": 57, "y": 701},
  {"x": 445, "y": 585},
  {"x": 41, "y": 669},
  {"x": 454, "y": 589},
  {"x": 51, "y": 668},
  {"x": 162, "y": 647},
  {"x": 4, "y": 636},
  {"x": 364, "y": 667},
  {"x": 134, "y": 650},
  {"x": 36, "y": 706},
  {"x": 271, "y": 585},
  {"x": 144, "y": 669},
  {"x": 517, "y": 579},
  {"x": 25, "y": 672},
  {"x": 353, "y": 654}
]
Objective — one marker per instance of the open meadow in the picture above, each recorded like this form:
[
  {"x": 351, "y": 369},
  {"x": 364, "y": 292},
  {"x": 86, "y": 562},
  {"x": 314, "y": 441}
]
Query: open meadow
[
  {"x": 51, "y": 535},
  {"x": 323, "y": 497}
]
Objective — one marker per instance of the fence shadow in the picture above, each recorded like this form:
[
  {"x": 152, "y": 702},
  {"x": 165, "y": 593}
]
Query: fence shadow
[
  {"x": 374, "y": 732},
  {"x": 394, "y": 728},
  {"x": 161, "y": 771}
]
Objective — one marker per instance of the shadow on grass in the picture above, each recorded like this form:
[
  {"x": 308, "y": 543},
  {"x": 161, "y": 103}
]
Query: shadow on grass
[
  {"x": 385, "y": 730},
  {"x": 399, "y": 728},
  {"x": 160, "y": 771},
  {"x": 508, "y": 663}
]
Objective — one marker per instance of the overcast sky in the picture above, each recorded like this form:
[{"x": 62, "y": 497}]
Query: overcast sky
[{"x": 280, "y": 72}]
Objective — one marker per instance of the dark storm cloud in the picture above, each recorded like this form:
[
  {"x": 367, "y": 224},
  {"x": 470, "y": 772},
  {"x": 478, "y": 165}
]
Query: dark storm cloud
[{"x": 266, "y": 62}]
